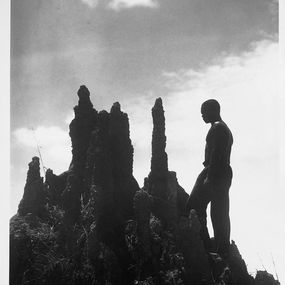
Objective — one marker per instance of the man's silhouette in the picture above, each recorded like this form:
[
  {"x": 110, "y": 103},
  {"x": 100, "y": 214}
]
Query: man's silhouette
[{"x": 214, "y": 181}]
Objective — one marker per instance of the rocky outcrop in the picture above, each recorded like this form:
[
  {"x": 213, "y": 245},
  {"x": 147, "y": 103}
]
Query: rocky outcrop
[
  {"x": 34, "y": 198},
  {"x": 190, "y": 244},
  {"x": 93, "y": 225},
  {"x": 159, "y": 164},
  {"x": 55, "y": 185},
  {"x": 168, "y": 196},
  {"x": 102, "y": 156},
  {"x": 80, "y": 130},
  {"x": 110, "y": 164},
  {"x": 265, "y": 278},
  {"x": 102, "y": 180},
  {"x": 111, "y": 185},
  {"x": 142, "y": 207},
  {"x": 71, "y": 200},
  {"x": 122, "y": 161},
  {"x": 238, "y": 269}
]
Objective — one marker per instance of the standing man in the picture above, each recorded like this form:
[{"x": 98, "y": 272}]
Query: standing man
[{"x": 214, "y": 181}]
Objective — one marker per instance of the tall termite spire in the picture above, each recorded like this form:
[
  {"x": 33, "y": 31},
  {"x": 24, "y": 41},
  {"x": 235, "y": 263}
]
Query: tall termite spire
[
  {"x": 80, "y": 128},
  {"x": 33, "y": 200},
  {"x": 159, "y": 164}
]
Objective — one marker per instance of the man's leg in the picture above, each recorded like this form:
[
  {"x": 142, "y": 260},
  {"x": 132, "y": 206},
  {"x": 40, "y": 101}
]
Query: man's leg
[
  {"x": 220, "y": 213},
  {"x": 198, "y": 200},
  {"x": 221, "y": 222}
]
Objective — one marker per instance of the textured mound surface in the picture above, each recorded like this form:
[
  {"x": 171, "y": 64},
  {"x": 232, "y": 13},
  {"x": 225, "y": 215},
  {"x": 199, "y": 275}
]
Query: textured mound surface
[{"x": 93, "y": 224}]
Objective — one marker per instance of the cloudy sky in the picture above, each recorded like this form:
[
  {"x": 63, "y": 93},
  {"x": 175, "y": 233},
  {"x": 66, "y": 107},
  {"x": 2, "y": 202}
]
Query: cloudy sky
[{"x": 134, "y": 51}]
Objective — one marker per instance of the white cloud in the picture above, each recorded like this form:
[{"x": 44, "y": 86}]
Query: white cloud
[
  {"x": 125, "y": 4},
  {"x": 54, "y": 145},
  {"x": 246, "y": 86},
  {"x": 91, "y": 3}
]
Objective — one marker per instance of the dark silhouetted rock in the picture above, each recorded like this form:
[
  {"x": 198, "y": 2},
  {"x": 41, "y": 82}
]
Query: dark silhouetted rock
[
  {"x": 90, "y": 161},
  {"x": 102, "y": 180},
  {"x": 265, "y": 278},
  {"x": 238, "y": 270},
  {"x": 109, "y": 166},
  {"x": 157, "y": 182},
  {"x": 55, "y": 185},
  {"x": 109, "y": 213},
  {"x": 34, "y": 199},
  {"x": 80, "y": 130},
  {"x": 122, "y": 149},
  {"x": 71, "y": 199},
  {"x": 31, "y": 238},
  {"x": 93, "y": 225},
  {"x": 176, "y": 197},
  {"x": 182, "y": 197},
  {"x": 122, "y": 161},
  {"x": 159, "y": 165},
  {"x": 168, "y": 196},
  {"x": 190, "y": 244},
  {"x": 142, "y": 208}
]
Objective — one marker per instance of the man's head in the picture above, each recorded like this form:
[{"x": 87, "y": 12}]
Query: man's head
[{"x": 210, "y": 111}]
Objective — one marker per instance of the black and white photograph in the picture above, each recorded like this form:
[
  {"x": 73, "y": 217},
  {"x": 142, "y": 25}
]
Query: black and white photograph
[{"x": 145, "y": 143}]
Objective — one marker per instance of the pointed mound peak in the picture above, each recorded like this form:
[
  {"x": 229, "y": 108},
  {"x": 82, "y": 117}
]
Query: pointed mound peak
[
  {"x": 158, "y": 104},
  {"x": 83, "y": 92},
  {"x": 33, "y": 200},
  {"x": 34, "y": 170},
  {"x": 103, "y": 115},
  {"x": 80, "y": 128},
  {"x": 84, "y": 98},
  {"x": 159, "y": 165},
  {"x": 35, "y": 159},
  {"x": 116, "y": 107}
]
